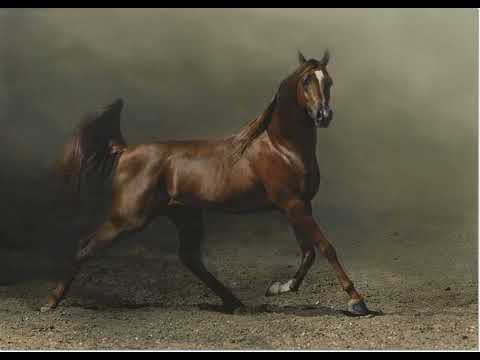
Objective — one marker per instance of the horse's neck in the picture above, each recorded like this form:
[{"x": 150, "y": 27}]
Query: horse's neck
[{"x": 290, "y": 129}]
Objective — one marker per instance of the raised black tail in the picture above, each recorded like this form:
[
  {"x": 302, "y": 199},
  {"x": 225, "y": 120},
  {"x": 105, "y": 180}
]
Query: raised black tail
[{"x": 94, "y": 148}]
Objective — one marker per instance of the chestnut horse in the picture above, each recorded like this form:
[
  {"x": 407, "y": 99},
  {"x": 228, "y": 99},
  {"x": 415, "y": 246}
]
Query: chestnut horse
[{"x": 269, "y": 165}]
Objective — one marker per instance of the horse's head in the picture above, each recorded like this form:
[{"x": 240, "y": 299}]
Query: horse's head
[{"x": 313, "y": 89}]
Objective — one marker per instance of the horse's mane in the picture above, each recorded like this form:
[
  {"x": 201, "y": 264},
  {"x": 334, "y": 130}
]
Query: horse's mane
[{"x": 254, "y": 128}]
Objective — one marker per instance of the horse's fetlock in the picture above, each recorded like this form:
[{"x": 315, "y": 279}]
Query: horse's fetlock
[{"x": 348, "y": 287}]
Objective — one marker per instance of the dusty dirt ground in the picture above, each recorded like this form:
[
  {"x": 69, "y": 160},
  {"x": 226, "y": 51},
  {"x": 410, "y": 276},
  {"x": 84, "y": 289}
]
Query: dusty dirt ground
[{"x": 143, "y": 300}]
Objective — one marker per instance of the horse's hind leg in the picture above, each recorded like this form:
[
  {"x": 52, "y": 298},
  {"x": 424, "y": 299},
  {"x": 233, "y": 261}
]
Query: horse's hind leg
[
  {"x": 189, "y": 223},
  {"x": 308, "y": 258},
  {"x": 89, "y": 246}
]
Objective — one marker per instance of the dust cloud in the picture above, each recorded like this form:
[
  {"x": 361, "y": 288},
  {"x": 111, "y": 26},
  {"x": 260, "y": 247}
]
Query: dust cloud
[{"x": 398, "y": 163}]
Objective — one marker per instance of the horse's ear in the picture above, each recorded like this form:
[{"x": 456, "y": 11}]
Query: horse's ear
[
  {"x": 325, "y": 58},
  {"x": 301, "y": 58}
]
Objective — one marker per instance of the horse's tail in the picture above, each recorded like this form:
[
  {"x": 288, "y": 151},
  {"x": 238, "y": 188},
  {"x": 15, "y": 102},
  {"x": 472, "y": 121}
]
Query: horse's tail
[{"x": 94, "y": 148}]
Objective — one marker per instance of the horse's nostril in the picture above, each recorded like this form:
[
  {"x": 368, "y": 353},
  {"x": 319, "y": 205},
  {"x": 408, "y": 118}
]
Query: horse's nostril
[{"x": 320, "y": 112}]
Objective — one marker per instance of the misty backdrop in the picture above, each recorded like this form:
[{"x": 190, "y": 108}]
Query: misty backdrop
[{"x": 400, "y": 156}]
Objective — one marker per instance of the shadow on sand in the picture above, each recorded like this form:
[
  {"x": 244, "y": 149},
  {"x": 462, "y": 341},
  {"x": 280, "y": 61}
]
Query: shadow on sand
[{"x": 295, "y": 310}]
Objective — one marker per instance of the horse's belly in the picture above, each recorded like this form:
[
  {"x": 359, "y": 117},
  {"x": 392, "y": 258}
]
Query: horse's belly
[{"x": 225, "y": 200}]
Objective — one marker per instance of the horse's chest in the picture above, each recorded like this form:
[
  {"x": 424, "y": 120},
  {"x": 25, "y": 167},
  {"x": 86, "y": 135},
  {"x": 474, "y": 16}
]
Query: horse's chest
[{"x": 305, "y": 175}]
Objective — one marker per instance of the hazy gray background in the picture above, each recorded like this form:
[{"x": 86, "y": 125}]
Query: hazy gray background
[{"x": 398, "y": 163}]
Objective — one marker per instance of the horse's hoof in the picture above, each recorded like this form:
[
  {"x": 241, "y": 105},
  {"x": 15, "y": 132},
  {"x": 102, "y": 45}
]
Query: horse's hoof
[
  {"x": 278, "y": 288},
  {"x": 273, "y": 289},
  {"x": 46, "y": 308},
  {"x": 358, "y": 308}
]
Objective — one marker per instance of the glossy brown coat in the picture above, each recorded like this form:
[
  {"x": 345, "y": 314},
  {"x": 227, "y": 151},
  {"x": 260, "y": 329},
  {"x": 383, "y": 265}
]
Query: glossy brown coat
[{"x": 270, "y": 165}]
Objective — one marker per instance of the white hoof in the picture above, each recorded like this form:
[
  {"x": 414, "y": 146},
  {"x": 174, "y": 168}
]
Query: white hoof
[
  {"x": 278, "y": 288},
  {"x": 46, "y": 308}
]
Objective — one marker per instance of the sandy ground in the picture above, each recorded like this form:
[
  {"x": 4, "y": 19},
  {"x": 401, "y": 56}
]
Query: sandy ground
[{"x": 142, "y": 300}]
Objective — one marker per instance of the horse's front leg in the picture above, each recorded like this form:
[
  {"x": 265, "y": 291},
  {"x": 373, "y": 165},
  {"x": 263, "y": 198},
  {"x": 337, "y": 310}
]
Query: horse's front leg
[
  {"x": 308, "y": 258},
  {"x": 299, "y": 215}
]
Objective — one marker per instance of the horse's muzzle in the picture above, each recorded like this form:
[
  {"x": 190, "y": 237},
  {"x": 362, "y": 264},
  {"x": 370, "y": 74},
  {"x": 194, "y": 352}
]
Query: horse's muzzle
[{"x": 324, "y": 117}]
